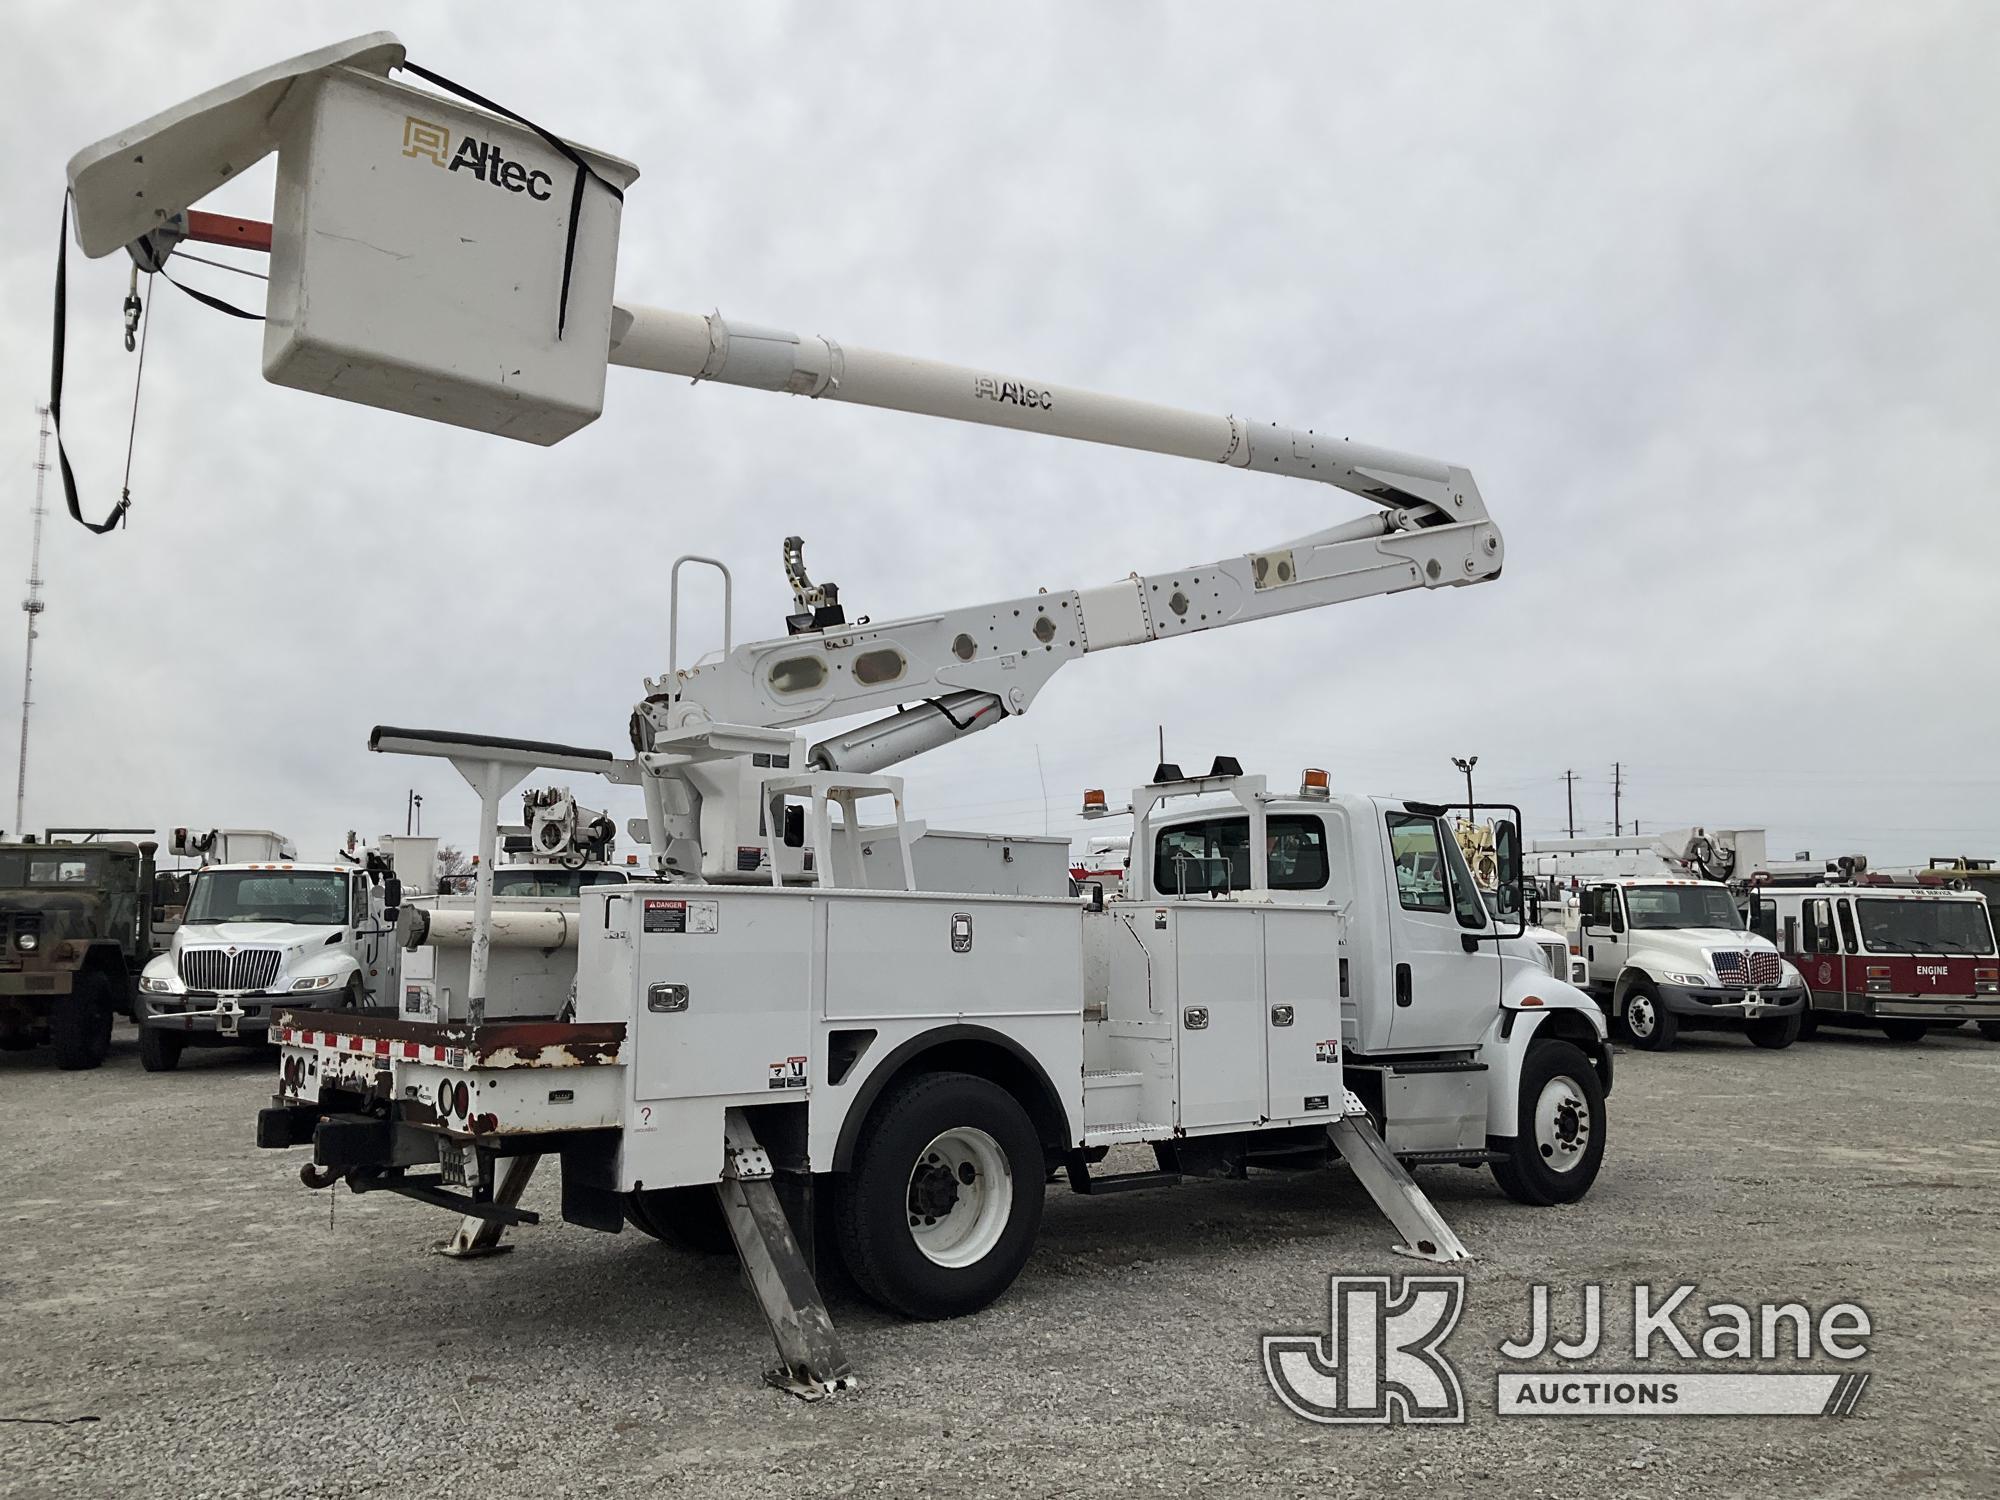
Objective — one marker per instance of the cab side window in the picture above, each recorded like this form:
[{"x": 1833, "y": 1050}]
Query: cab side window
[
  {"x": 360, "y": 904},
  {"x": 1816, "y": 934},
  {"x": 1215, "y": 855}
]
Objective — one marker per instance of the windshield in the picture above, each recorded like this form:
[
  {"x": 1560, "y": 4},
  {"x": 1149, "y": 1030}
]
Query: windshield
[
  {"x": 552, "y": 882},
  {"x": 1666, "y": 906},
  {"x": 40, "y": 869},
  {"x": 314, "y": 898},
  {"x": 1925, "y": 926}
]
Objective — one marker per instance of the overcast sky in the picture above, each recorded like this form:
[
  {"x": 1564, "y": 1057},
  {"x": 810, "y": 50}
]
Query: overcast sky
[{"x": 1703, "y": 295}]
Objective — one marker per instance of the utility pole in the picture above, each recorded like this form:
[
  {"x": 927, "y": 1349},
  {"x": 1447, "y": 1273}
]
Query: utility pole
[
  {"x": 33, "y": 607},
  {"x": 1617, "y": 799},
  {"x": 1465, "y": 764},
  {"x": 1569, "y": 792}
]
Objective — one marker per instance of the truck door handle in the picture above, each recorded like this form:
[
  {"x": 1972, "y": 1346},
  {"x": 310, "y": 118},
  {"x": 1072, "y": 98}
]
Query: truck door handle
[{"x": 1402, "y": 984}]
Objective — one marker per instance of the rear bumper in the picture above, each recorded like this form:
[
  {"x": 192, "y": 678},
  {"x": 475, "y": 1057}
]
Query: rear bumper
[{"x": 1713, "y": 1002}]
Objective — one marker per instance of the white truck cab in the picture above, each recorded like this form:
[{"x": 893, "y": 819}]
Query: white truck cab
[
  {"x": 260, "y": 933},
  {"x": 1663, "y": 953}
]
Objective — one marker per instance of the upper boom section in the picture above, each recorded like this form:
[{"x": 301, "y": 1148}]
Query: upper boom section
[{"x": 435, "y": 258}]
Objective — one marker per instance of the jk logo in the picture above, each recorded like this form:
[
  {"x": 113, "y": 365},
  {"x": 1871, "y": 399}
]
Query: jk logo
[{"x": 1381, "y": 1360}]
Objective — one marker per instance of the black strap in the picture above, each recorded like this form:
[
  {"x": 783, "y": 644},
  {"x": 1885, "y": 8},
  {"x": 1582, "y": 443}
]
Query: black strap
[
  {"x": 155, "y": 261},
  {"x": 57, "y": 342},
  {"x": 555, "y": 143}
]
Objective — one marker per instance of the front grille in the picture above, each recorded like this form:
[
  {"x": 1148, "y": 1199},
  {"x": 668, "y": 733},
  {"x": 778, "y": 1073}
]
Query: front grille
[
  {"x": 218, "y": 969},
  {"x": 1752, "y": 969}
]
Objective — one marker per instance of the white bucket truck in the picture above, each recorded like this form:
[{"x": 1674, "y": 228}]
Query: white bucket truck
[
  {"x": 262, "y": 926},
  {"x": 753, "y": 1033}
]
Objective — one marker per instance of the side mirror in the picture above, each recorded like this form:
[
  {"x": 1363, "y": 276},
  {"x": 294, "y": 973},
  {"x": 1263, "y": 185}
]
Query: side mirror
[
  {"x": 392, "y": 898},
  {"x": 795, "y": 826}
]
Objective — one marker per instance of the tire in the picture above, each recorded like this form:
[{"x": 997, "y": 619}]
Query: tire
[
  {"x": 1990, "y": 1030},
  {"x": 960, "y": 1154},
  {"x": 688, "y": 1218},
  {"x": 1651, "y": 1025},
  {"x": 1903, "y": 1031},
  {"x": 1774, "y": 1032},
  {"x": 1558, "y": 1144},
  {"x": 352, "y": 994},
  {"x": 80, "y": 1027},
  {"x": 1808, "y": 1020},
  {"x": 159, "y": 1049}
]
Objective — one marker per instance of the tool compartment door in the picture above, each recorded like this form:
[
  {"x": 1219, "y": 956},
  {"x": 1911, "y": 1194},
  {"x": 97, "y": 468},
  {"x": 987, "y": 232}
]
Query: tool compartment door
[
  {"x": 1302, "y": 1054},
  {"x": 1220, "y": 971},
  {"x": 724, "y": 993}
]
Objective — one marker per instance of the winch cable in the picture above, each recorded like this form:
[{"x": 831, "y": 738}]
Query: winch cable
[{"x": 139, "y": 320}]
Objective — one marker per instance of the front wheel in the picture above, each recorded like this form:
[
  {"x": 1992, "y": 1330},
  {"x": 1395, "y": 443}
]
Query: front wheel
[
  {"x": 1990, "y": 1030},
  {"x": 940, "y": 1211},
  {"x": 159, "y": 1049},
  {"x": 1774, "y": 1032},
  {"x": 1808, "y": 1020},
  {"x": 1558, "y": 1144},
  {"x": 1904, "y": 1031},
  {"x": 1650, "y": 1024}
]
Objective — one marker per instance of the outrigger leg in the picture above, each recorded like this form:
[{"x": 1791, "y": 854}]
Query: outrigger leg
[
  {"x": 811, "y": 1362},
  {"x": 477, "y": 1236},
  {"x": 1425, "y": 1233}
]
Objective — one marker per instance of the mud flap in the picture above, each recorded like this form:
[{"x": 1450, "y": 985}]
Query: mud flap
[
  {"x": 811, "y": 1362},
  {"x": 1426, "y": 1235}
]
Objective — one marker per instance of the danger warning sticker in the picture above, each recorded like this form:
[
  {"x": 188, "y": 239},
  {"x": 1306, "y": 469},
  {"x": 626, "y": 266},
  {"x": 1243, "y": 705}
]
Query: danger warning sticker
[
  {"x": 789, "y": 1074},
  {"x": 680, "y": 916}
]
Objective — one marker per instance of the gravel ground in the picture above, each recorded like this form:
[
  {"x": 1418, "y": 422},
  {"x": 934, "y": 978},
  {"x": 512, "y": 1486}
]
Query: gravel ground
[{"x": 183, "y": 1318}]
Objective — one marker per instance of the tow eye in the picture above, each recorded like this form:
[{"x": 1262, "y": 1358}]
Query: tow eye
[{"x": 314, "y": 1176}]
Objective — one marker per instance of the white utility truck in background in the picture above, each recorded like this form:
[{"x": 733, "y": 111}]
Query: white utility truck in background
[
  {"x": 1665, "y": 953},
  {"x": 275, "y": 929},
  {"x": 808, "y": 1020}
]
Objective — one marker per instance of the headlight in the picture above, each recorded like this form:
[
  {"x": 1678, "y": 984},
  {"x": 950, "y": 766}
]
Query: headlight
[
  {"x": 27, "y": 942},
  {"x": 154, "y": 986},
  {"x": 319, "y": 982},
  {"x": 1698, "y": 979}
]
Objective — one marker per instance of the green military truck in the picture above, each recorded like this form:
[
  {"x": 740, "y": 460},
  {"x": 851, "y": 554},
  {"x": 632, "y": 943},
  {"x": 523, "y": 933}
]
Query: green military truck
[{"x": 76, "y": 927}]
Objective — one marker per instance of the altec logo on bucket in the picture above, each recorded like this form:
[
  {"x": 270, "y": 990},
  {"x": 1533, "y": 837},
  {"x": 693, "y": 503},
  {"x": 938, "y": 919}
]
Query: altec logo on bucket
[{"x": 432, "y": 142}]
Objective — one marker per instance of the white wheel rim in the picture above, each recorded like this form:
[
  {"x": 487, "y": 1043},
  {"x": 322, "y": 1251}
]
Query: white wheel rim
[
  {"x": 1562, "y": 1124},
  {"x": 1639, "y": 1015},
  {"x": 960, "y": 1197}
]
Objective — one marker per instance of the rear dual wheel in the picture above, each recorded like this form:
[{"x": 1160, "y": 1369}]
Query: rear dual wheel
[{"x": 940, "y": 1212}]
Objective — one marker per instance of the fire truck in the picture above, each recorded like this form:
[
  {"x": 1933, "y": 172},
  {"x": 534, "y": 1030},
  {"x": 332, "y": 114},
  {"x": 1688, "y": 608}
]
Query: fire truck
[
  {"x": 783, "y": 1020},
  {"x": 1900, "y": 959}
]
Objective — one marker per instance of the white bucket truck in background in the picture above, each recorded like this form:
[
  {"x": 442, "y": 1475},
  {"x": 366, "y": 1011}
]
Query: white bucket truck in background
[{"x": 258, "y": 930}]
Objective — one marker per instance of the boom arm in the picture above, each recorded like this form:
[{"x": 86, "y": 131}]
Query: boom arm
[{"x": 975, "y": 666}]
